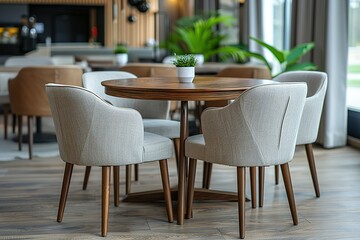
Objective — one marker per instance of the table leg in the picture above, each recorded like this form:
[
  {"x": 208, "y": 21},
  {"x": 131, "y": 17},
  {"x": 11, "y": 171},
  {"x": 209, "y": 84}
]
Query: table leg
[{"x": 181, "y": 179}]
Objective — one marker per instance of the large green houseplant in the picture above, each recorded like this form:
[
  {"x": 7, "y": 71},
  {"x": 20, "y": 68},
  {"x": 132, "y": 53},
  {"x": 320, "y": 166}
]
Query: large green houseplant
[
  {"x": 287, "y": 60},
  {"x": 197, "y": 35}
]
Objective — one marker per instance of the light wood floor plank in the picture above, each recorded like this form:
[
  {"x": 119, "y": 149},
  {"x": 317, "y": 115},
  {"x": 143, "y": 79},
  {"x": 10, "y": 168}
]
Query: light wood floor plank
[{"x": 29, "y": 195}]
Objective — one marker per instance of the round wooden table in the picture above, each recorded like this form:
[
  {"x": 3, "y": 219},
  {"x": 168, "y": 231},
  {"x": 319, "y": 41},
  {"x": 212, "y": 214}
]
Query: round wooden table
[{"x": 201, "y": 89}]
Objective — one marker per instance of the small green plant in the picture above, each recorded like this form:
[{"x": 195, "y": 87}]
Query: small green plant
[
  {"x": 288, "y": 60},
  {"x": 120, "y": 48},
  {"x": 187, "y": 60}
]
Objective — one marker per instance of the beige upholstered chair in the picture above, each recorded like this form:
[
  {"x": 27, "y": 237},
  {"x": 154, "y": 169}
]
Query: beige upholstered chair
[
  {"x": 154, "y": 113},
  {"x": 28, "y": 97},
  {"x": 310, "y": 120},
  {"x": 241, "y": 71},
  {"x": 4, "y": 97},
  {"x": 92, "y": 132},
  {"x": 258, "y": 129},
  {"x": 13, "y": 64}
]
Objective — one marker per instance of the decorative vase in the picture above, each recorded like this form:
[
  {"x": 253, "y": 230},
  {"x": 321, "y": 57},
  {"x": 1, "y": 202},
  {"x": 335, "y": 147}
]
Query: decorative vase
[
  {"x": 186, "y": 74},
  {"x": 122, "y": 58}
]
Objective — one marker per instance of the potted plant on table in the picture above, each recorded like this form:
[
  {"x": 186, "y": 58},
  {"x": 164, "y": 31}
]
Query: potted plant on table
[
  {"x": 185, "y": 67},
  {"x": 121, "y": 52}
]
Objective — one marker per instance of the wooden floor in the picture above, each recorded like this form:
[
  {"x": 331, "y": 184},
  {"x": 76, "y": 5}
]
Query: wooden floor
[{"x": 29, "y": 193}]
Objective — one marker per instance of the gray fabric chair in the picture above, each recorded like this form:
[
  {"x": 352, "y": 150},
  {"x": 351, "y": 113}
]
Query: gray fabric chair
[
  {"x": 310, "y": 120},
  {"x": 154, "y": 113},
  {"x": 240, "y": 71},
  {"x": 258, "y": 129},
  {"x": 91, "y": 132}
]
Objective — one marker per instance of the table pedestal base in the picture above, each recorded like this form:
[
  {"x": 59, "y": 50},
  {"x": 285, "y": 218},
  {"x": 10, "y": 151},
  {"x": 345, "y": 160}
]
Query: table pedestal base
[{"x": 199, "y": 194}]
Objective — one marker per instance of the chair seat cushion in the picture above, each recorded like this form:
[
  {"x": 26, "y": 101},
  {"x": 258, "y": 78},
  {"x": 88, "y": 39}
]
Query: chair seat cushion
[
  {"x": 195, "y": 147},
  {"x": 156, "y": 147},
  {"x": 163, "y": 127}
]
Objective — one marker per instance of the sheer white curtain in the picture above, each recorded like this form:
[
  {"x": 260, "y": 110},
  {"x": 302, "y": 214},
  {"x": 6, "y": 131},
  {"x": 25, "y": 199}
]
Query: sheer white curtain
[{"x": 325, "y": 22}]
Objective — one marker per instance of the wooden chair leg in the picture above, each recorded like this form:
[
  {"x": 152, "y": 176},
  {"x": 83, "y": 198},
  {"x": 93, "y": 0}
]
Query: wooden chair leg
[
  {"x": 289, "y": 191},
  {"x": 13, "y": 123},
  {"x": 205, "y": 172},
  {"x": 311, "y": 161},
  {"x": 6, "y": 113},
  {"x": 20, "y": 132},
  {"x": 253, "y": 186},
  {"x": 30, "y": 135},
  {"x": 64, "y": 190},
  {"x": 136, "y": 172},
  {"x": 191, "y": 183},
  {"x": 241, "y": 181},
  {"x": 105, "y": 200},
  {"x": 116, "y": 185},
  {"x": 176, "y": 142},
  {"x": 208, "y": 175},
  {"x": 128, "y": 179},
  {"x": 166, "y": 188},
  {"x": 261, "y": 186},
  {"x": 276, "y": 174},
  {"x": 86, "y": 177}
]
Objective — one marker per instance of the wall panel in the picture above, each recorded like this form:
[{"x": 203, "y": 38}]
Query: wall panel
[{"x": 117, "y": 28}]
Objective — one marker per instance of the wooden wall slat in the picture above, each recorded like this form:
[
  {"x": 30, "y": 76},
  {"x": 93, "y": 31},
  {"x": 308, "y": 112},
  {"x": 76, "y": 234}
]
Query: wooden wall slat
[{"x": 136, "y": 34}]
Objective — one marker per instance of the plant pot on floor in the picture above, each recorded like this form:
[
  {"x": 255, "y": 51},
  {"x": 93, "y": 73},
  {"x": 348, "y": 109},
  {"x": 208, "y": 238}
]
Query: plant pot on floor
[{"x": 186, "y": 74}]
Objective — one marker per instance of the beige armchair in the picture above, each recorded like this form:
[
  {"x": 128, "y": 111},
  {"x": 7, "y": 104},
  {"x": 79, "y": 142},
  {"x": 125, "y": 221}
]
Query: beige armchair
[
  {"x": 258, "y": 129},
  {"x": 28, "y": 97},
  {"x": 11, "y": 67},
  {"x": 92, "y": 132}
]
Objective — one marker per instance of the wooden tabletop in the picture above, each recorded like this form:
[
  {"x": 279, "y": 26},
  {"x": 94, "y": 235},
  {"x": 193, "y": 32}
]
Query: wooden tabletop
[{"x": 201, "y": 89}]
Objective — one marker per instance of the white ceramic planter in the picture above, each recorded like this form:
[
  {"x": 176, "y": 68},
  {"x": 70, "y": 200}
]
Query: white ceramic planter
[
  {"x": 122, "y": 58},
  {"x": 186, "y": 74}
]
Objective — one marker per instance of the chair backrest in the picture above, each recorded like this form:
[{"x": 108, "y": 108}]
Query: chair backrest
[
  {"x": 246, "y": 71},
  {"x": 310, "y": 120},
  {"x": 241, "y": 71},
  {"x": 27, "y": 89},
  {"x": 150, "y": 69},
  {"x": 25, "y": 61},
  {"x": 92, "y": 81},
  {"x": 92, "y": 132},
  {"x": 147, "y": 108},
  {"x": 258, "y": 129}
]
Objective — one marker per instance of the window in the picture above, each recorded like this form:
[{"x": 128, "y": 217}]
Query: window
[
  {"x": 276, "y": 22},
  {"x": 353, "y": 78},
  {"x": 276, "y": 25}
]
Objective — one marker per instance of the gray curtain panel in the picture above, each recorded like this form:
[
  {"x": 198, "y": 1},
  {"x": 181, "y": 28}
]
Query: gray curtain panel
[
  {"x": 325, "y": 22},
  {"x": 256, "y": 27}
]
